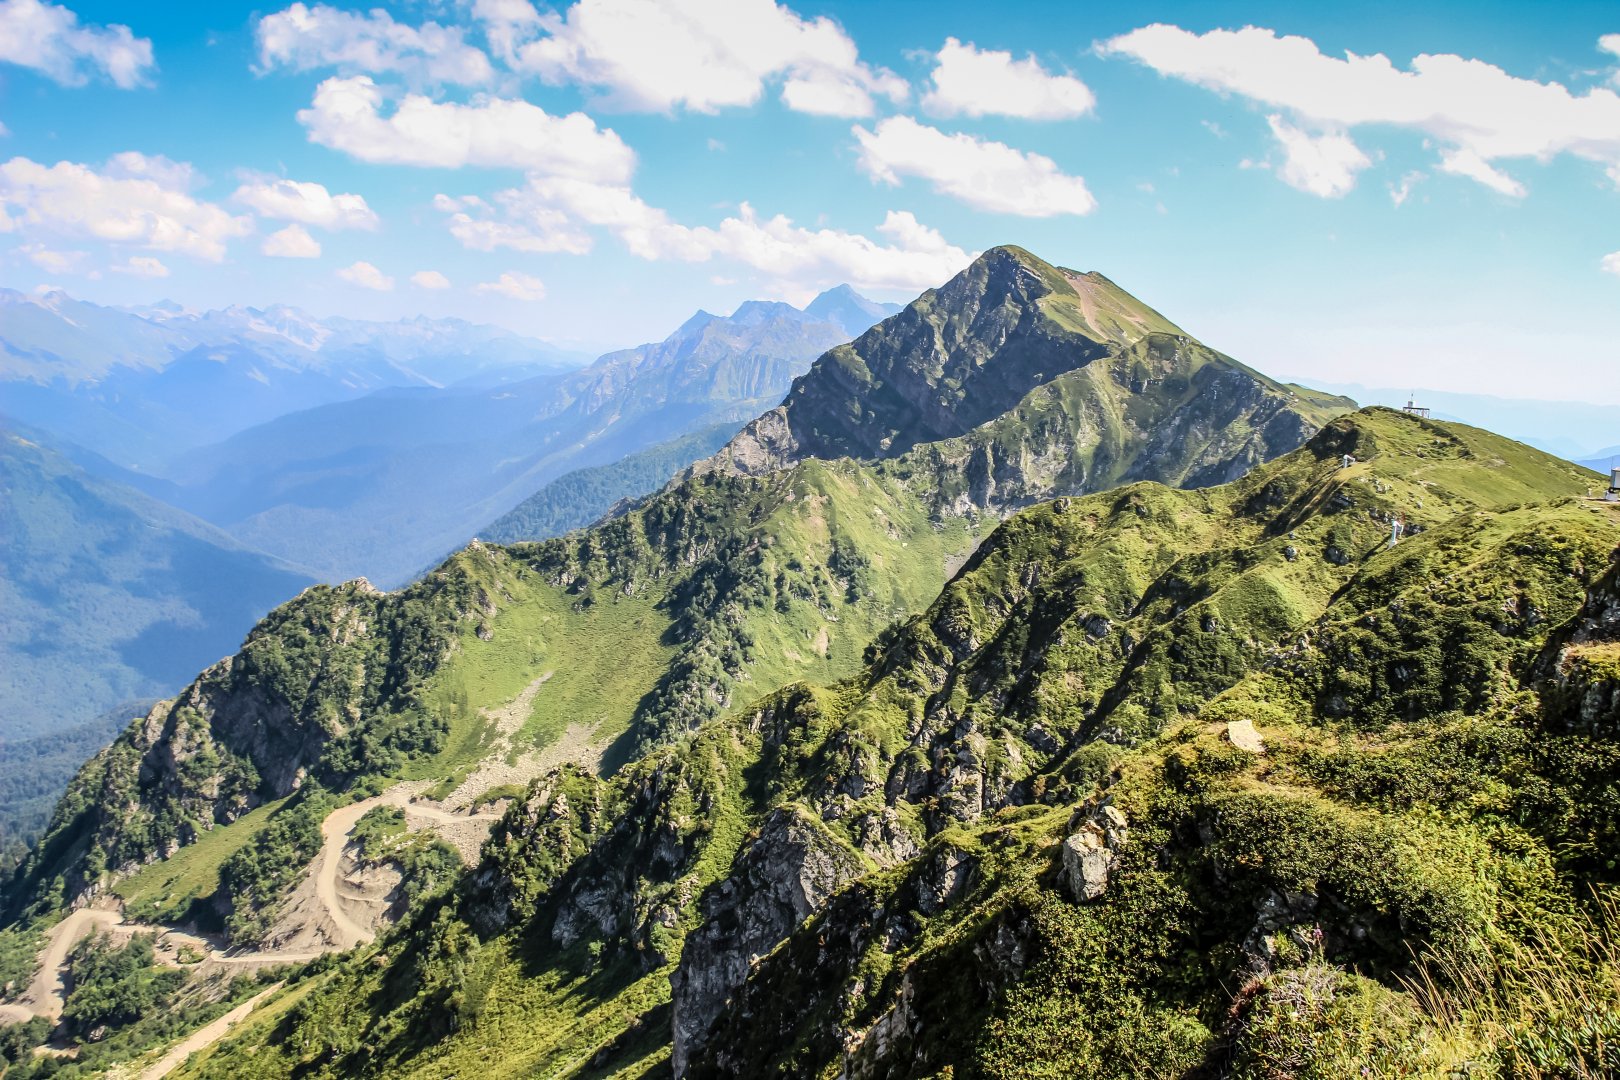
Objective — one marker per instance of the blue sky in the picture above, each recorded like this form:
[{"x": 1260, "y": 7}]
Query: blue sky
[{"x": 578, "y": 173}]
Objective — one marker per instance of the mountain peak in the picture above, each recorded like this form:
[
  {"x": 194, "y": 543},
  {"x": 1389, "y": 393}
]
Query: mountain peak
[
  {"x": 967, "y": 352},
  {"x": 842, "y": 305}
]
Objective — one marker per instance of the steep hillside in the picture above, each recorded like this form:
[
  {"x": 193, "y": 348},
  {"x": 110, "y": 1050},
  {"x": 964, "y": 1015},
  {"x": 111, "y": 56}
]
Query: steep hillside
[
  {"x": 1182, "y": 783},
  {"x": 107, "y": 596},
  {"x": 616, "y": 652},
  {"x": 382, "y": 486}
]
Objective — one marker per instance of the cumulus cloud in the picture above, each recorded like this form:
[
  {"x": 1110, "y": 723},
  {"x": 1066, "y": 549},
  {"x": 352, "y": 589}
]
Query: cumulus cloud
[
  {"x": 142, "y": 266},
  {"x": 515, "y": 286},
  {"x": 702, "y": 55},
  {"x": 49, "y": 39},
  {"x": 430, "y": 279},
  {"x": 293, "y": 242},
  {"x": 163, "y": 171},
  {"x": 1475, "y": 112},
  {"x": 1611, "y": 262},
  {"x": 134, "y": 199},
  {"x": 532, "y": 225},
  {"x": 304, "y": 38},
  {"x": 306, "y": 203},
  {"x": 968, "y": 81},
  {"x": 347, "y": 115},
  {"x": 1324, "y": 165},
  {"x": 985, "y": 175},
  {"x": 366, "y": 276},
  {"x": 534, "y": 217}
]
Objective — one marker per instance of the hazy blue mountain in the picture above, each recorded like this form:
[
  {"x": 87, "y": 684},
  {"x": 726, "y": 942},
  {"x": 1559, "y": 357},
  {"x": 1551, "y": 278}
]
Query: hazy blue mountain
[
  {"x": 380, "y": 486},
  {"x": 583, "y": 496},
  {"x": 108, "y": 595},
  {"x": 1601, "y": 461},
  {"x": 143, "y": 385},
  {"x": 849, "y": 308}
]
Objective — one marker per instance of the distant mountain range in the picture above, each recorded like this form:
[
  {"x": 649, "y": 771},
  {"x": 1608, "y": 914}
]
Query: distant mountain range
[
  {"x": 153, "y": 458},
  {"x": 142, "y": 386},
  {"x": 370, "y": 449},
  {"x": 385, "y": 485}
]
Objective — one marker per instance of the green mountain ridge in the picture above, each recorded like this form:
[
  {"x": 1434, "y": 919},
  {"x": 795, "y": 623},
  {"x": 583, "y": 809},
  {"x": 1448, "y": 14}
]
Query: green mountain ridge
[
  {"x": 1170, "y": 782},
  {"x": 955, "y": 358}
]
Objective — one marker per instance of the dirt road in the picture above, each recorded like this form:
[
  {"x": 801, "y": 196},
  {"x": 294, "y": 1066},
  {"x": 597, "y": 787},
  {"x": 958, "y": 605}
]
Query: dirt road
[
  {"x": 46, "y": 993},
  {"x": 205, "y": 1036},
  {"x": 335, "y": 832}
]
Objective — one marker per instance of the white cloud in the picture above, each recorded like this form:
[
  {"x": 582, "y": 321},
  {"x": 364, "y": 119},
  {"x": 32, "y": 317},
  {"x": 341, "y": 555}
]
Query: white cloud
[
  {"x": 703, "y": 55},
  {"x": 969, "y": 81},
  {"x": 52, "y": 262},
  {"x": 430, "y": 279},
  {"x": 1324, "y": 165},
  {"x": 985, "y": 175},
  {"x": 135, "y": 200},
  {"x": 142, "y": 266},
  {"x": 1610, "y": 43},
  {"x": 531, "y": 218},
  {"x": 165, "y": 172},
  {"x": 366, "y": 276},
  {"x": 49, "y": 39},
  {"x": 533, "y": 226},
  {"x": 304, "y": 38},
  {"x": 1611, "y": 262},
  {"x": 347, "y": 115},
  {"x": 306, "y": 203},
  {"x": 293, "y": 242},
  {"x": 1399, "y": 193},
  {"x": 1468, "y": 163},
  {"x": 516, "y": 286},
  {"x": 1477, "y": 113}
]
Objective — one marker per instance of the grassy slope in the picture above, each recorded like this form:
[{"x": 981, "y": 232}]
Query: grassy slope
[
  {"x": 1014, "y": 641},
  {"x": 605, "y": 649}
]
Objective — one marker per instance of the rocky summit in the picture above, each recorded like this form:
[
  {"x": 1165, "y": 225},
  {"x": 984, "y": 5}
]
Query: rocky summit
[{"x": 1034, "y": 692}]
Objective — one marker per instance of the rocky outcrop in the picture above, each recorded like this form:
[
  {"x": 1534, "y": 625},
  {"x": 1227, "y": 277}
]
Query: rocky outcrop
[
  {"x": 777, "y": 881},
  {"x": 1089, "y": 852},
  {"x": 1579, "y": 671}
]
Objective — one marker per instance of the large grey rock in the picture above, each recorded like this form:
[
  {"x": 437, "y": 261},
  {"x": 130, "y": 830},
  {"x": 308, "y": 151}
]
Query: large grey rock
[{"x": 1089, "y": 853}]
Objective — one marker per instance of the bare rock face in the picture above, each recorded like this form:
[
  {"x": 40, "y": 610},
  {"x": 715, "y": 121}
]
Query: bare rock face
[
  {"x": 1089, "y": 853},
  {"x": 1579, "y": 673},
  {"x": 766, "y": 444},
  {"x": 783, "y": 877}
]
